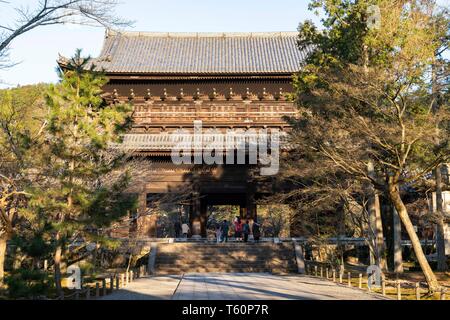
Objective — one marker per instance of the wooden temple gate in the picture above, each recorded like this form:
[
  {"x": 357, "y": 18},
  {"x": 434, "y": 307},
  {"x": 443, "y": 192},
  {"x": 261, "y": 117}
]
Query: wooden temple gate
[{"x": 236, "y": 81}]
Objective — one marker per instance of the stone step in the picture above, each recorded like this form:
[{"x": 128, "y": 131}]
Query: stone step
[
  {"x": 211, "y": 270},
  {"x": 222, "y": 263},
  {"x": 224, "y": 256},
  {"x": 227, "y": 244},
  {"x": 224, "y": 259},
  {"x": 206, "y": 258},
  {"x": 227, "y": 253},
  {"x": 219, "y": 247},
  {"x": 227, "y": 270}
]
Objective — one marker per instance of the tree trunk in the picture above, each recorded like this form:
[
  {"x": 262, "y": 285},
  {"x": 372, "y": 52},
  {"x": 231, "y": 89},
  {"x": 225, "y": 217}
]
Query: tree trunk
[
  {"x": 377, "y": 227},
  {"x": 3, "y": 243},
  {"x": 394, "y": 194},
  {"x": 440, "y": 240},
  {"x": 397, "y": 242},
  {"x": 375, "y": 222},
  {"x": 57, "y": 265}
]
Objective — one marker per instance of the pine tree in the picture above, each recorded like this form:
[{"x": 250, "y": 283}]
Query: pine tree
[
  {"x": 22, "y": 121},
  {"x": 84, "y": 184}
]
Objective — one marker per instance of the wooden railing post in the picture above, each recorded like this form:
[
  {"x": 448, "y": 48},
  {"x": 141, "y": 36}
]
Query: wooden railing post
[
  {"x": 399, "y": 290},
  {"x": 127, "y": 278},
  {"x": 334, "y": 275},
  {"x": 417, "y": 290},
  {"x": 360, "y": 281},
  {"x": 326, "y": 272},
  {"x": 117, "y": 282},
  {"x": 122, "y": 280},
  {"x": 97, "y": 290},
  {"x": 104, "y": 287},
  {"x": 111, "y": 283},
  {"x": 315, "y": 271},
  {"x": 383, "y": 285},
  {"x": 349, "y": 279},
  {"x": 321, "y": 271},
  {"x": 131, "y": 276}
]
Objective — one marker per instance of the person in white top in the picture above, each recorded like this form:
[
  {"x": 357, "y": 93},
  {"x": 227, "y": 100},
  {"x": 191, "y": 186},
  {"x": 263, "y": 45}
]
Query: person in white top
[
  {"x": 185, "y": 230},
  {"x": 218, "y": 234}
]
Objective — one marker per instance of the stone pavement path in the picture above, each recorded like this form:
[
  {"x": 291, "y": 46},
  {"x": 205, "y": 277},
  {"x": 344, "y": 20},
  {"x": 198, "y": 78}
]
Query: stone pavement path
[{"x": 238, "y": 286}]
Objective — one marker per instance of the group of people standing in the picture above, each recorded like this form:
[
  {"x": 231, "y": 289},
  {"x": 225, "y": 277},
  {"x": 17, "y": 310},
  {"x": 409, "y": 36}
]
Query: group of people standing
[{"x": 242, "y": 230}]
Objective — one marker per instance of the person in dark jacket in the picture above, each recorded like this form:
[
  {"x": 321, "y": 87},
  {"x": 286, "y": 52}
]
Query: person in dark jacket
[
  {"x": 256, "y": 230},
  {"x": 246, "y": 230},
  {"x": 225, "y": 228},
  {"x": 177, "y": 227}
]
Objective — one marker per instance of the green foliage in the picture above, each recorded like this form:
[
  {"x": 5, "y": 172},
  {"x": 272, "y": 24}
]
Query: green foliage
[
  {"x": 365, "y": 93},
  {"x": 368, "y": 98},
  {"x": 28, "y": 284},
  {"x": 82, "y": 181},
  {"x": 344, "y": 30},
  {"x": 34, "y": 245},
  {"x": 84, "y": 185}
]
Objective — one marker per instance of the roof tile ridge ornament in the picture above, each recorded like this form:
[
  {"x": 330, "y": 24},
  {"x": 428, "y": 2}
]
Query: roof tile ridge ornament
[{"x": 62, "y": 60}]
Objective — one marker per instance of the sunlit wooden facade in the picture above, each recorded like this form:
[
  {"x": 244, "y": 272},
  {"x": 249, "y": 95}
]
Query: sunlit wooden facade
[{"x": 231, "y": 81}]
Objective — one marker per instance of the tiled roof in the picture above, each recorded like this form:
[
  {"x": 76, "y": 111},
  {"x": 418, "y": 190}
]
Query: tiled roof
[{"x": 200, "y": 53}]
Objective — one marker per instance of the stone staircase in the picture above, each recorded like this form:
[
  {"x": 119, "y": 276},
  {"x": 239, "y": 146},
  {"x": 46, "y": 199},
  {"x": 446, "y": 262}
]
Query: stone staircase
[{"x": 179, "y": 258}]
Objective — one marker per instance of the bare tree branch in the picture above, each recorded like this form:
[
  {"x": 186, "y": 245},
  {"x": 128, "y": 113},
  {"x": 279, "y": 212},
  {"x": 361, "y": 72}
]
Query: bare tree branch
[{"x": 55, "y": 12}]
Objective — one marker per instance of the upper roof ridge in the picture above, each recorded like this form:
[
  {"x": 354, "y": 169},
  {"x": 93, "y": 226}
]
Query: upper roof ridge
[
  {"x": 201, "y": 53},
  {"x": 110, "y": 32}
]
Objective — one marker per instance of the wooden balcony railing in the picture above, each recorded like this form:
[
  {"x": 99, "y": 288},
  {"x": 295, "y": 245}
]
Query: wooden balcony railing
[{"x": 212, "y": 117}]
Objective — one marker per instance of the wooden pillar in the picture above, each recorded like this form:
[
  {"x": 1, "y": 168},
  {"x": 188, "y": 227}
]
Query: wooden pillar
[
  {"x": 195, "y": 216},
  {"x": 242, "y": 211},
  {"x": 203, "y": 217},
  {"x": 250, "y": 207},
  {"x": 146, "y": 224}
]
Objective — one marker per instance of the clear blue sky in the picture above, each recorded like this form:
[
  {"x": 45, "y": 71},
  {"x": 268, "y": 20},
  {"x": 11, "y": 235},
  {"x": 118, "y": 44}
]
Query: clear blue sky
[{"x": 38, "y": 50}]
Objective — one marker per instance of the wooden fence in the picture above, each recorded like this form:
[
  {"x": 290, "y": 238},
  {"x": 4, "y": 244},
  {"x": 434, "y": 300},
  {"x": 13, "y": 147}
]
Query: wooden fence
[
  {"x": 107, "y": 285},
  {"x": 358, "y": 280}
]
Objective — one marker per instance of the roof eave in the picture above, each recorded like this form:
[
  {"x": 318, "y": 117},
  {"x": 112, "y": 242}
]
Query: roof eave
[{"x": 194, "y": 76}]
